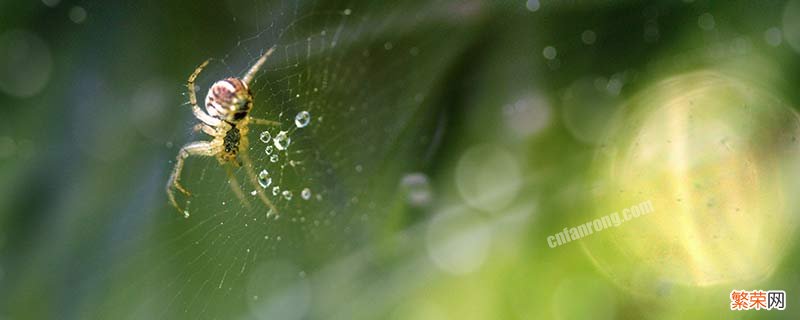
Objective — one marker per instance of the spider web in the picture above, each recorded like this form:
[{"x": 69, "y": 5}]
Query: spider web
[{"x": 367, "y": 74}]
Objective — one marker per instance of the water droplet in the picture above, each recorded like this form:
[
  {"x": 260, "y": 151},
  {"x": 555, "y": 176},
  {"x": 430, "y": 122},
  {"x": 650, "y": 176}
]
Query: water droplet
[
  {"x": 265, "y": 136},
  {"x": 306, "y": 194},
  {"x": 287, "y": 194},
  {"x": 264, "y": 178},
  {"x": 276, "y": 190},
  {"x": 282, "y": 140},
  {"x": 302, "y": 119},
  {"x": 268, "y": 150},
  {"x": 417, "y": 189},
  {"x": 274, "y": 158}
]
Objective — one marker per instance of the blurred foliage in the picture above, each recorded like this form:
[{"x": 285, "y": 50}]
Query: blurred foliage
[{"x": 448, "y": 140}]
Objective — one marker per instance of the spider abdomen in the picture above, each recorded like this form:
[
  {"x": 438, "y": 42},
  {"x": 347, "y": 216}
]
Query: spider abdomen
[
  {"x": 231, "y": 140},
  {"x": 229, "y": 100}
]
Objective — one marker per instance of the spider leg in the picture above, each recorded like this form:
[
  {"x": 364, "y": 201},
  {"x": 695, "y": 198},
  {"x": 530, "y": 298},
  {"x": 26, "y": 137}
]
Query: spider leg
[
  {"x": 190, "y": 82},
  {"x": 197, "y": 148},
  {"x": 205, "y": 128},
  {"x": 254, "y": 69},
  {"x": 204, "y": 117},
  {"x": 237, "y": 188},
  {"x": 248, "y": 166},
  {"x": 196, "y": 110},
  {"x": 263, "y": 122}
]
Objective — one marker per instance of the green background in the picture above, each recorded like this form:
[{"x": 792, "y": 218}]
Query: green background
[{"x": 447, "y": 142}]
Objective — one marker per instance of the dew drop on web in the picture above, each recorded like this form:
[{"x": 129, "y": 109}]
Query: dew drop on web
[
  {"x": 265, "y": 137},
  {"x": 282, "y": 140},
  {"x": 302, "y": 119},
  {"x": 264, "y": 178}
]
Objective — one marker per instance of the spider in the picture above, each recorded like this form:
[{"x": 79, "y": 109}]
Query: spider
[{"x": 226, "y": 119}]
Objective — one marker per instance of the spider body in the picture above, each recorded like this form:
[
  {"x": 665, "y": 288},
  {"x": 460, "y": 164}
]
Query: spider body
[
  {"x": 229, "y": 100},
  {"x": 226, "y": 119},
  {"x": 231, "y": 142}
]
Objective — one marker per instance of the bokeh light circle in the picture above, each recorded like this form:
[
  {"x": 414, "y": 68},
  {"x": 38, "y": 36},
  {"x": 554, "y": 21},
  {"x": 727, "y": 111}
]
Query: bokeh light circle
[
  {"x": 791, "y": 24},
  {"x": 458, "y": 241},
  {"x": 488, "y": 177},
  {"x": 587, "y": 106},
  {"x": 528, "y": 115},
  {"x": 25, "y": 63},
  {"x": 719, "y": 158},
  {"x": 278, "y": 290}
]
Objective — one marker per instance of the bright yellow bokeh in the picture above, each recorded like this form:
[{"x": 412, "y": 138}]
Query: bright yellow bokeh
[{"x": 719, "y": 159}]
